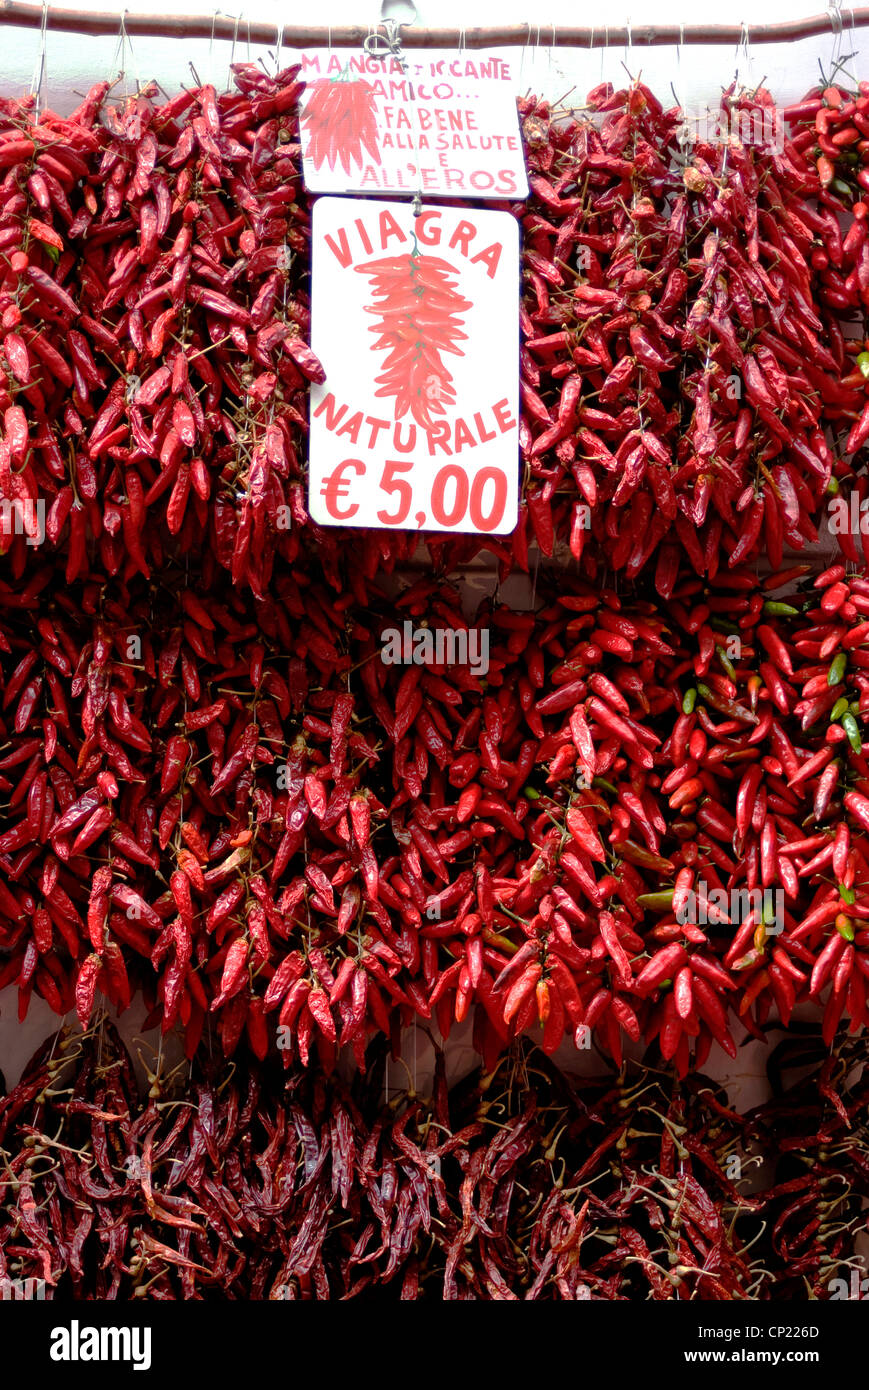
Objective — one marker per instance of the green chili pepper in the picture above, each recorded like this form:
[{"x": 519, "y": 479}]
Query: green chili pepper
[
  {"x": 726, "y": 663},
  {"x": 768, "y": 914},
  {"x": 601, "y": 782},
  {"x": 845, "y": 929},
  {"x": 849, "y": 724},
  {"x": 863, "y": 363},
  {"x": 750, "y": 958},
  {"x": 837, "y": 669},
  {"x": 832, "y": 487},
  {"x": 657, "y": 902},
  {"x": 689, "y": 700},
  {"x": 638, "y": 854},
  {"x": 773, "y": 609},
  {"x": 840, "y": 707},
  {"x": 531, "y": 794},
  {"x": 848, "y": 895}
]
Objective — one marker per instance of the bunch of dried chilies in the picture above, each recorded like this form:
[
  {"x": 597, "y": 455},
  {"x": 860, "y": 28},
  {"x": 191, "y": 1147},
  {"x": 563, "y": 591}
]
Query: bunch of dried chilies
[
  {"x": 514, "y": 1184},
  {"x": 644, "y": 828},
  {"x": 649, "y": 823}
]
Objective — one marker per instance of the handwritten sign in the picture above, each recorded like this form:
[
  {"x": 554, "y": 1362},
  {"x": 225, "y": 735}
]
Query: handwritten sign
[
  {"x": 447, "y": 126},
  {"x": 415, "y": 322}
]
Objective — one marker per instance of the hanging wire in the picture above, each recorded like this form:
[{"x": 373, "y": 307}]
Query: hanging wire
[
  {"x": 211, "y": 46},
  {"x": 679, "y": 95},
  {"x": 742, "y": 47},
  {"x": 525, "y": 47},
  {"x": 279, "y": 43},
  {"x": 232, "y": 53},
  {"x": 834, "y": 9},
  {"x": 39, "y": 69},
  {"x": 133, "y": 58},
  {"x": 118, "y": 60},
  {"x": 124, "y": 47}
]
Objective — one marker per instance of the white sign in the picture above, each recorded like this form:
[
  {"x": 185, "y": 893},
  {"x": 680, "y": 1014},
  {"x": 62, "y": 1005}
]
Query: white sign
[
  {"x": 447, "y": 126},
  {"x": 415, "y": 321}
]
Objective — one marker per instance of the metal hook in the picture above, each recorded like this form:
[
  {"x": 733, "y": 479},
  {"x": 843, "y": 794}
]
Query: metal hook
[
  {"x": 388, "y": 21},
  {"x": 279, "y": 43},
  {"x": 380, "y": 47}
]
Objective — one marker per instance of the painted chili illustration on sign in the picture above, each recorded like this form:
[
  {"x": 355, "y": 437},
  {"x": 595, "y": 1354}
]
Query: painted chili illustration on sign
[
  {"x": 416, "y": 313},
  {"x": 340, "y": 121},
  {"x": 417, "y": 307}
]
